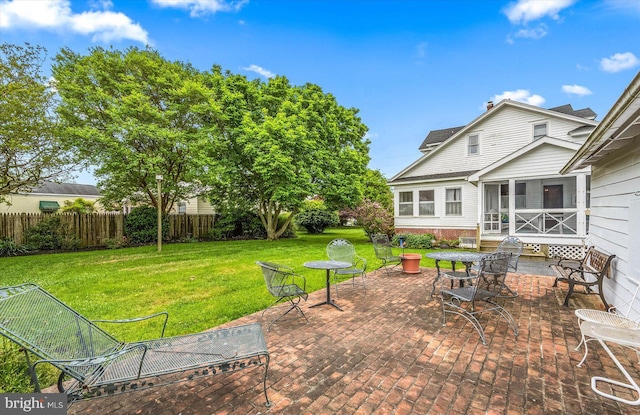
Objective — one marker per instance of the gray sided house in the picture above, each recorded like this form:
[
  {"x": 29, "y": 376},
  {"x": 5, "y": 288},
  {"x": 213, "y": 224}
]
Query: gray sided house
[
  {"x": 498, "y": 176},
  {"x": 49, "y": 197},
  {"x": 612, "y": 152}
]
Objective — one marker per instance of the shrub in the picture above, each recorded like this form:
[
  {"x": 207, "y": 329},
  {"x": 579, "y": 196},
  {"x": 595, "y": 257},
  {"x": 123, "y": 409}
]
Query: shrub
[
  {"x": 374, "y": 218},
  {"x": 415, "y": 241},
  {"x": 9, "y": 248},
  {"x": 141, "y": 225},
  {"x": 51, "y": 234},
  {"x": 116, "y": 243},
  {"x": 45, "y": 235},
  {"x": 316, "y": 220}
]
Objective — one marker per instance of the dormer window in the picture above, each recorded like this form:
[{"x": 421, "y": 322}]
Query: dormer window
[
  {"x": 474, "y": 145},
  {"x": 539, "y": 131}
]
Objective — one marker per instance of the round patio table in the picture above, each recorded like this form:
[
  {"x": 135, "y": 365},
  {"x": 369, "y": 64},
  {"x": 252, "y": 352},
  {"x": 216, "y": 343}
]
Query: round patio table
[
  {"x": 329, "y": 266},
  {"x": 466, "y": 258}
]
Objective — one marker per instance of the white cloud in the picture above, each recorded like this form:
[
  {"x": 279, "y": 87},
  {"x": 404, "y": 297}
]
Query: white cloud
[
  {"x": 619, "y": 62},
  {"x": 529, "y": 10},
  {"x": 202, "y": 7},
  {"x": 576, "y": 90},
  {"x": 259, "y": 70},
  {"x": 56, "y": 15},
  {"x": 520, "y": 95},
  {"x": 536, "y": 33}
]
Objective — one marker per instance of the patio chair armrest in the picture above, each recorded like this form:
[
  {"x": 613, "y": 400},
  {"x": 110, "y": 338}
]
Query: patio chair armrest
[
  {"x": 138, "y": 319},
  {"x": 295, "y": 278},
  {"x": 361, "y": 263}
]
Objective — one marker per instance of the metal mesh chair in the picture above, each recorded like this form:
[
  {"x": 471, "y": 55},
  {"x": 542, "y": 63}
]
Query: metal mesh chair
[
  {"x": 479, "y": 294},
  {"x": 384, "y": 252},
  {"x": 514, "y": 246},
  {"x": 343, "y": 251},
  {"x": 612, "y": 317},
  {"x": 284, "y": 285},
  {"x": 94, "y": 363}
]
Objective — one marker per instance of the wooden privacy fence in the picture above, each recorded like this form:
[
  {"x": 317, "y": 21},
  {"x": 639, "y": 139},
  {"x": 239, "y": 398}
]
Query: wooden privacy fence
[{"x": 93, "y": 230}]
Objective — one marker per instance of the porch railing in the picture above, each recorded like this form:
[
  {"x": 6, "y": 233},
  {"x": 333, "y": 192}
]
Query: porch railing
[{"x": 546, "y": 221}]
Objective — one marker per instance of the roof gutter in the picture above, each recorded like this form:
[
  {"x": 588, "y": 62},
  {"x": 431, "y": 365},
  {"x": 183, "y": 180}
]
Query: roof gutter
[{"x": 597, "y": 139}]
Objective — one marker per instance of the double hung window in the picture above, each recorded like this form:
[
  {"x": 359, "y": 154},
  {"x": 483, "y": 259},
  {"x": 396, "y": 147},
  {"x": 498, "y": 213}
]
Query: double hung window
[
  {"x": 405, "y": 206},
  {"x": 454, "y": 201},
  {"x": 426, "y": 203},
  {"x": 474, "y": 145}
]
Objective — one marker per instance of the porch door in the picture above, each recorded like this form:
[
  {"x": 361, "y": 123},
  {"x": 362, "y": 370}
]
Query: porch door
[
  {"x": 491, "y": 213},
  {"x": 553, "y": 199}
]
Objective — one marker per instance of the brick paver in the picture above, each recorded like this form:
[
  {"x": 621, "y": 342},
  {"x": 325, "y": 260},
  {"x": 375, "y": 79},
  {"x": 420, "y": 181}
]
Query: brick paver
[{"x": 388, "y": 353}]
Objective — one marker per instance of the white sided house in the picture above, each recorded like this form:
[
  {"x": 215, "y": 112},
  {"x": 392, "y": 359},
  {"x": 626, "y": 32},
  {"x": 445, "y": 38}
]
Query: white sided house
[
  {"x": 612, "y": 151},
  {"x": 499, "y": 176}
]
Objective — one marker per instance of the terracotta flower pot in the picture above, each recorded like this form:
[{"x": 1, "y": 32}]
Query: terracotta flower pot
[{"x": 411, "y": 263}]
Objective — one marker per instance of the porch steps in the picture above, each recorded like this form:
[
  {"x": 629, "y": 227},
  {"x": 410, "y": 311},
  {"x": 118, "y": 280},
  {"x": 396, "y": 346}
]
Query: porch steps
[{"x": 490, "y": 246}]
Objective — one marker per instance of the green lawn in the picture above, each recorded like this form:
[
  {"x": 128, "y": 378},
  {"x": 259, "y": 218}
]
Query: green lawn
[{"x": 201, "y": 285}]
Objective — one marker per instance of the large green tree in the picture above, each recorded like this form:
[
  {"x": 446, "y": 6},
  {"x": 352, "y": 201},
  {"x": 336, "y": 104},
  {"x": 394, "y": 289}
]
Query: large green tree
[
  {"x": 376, "y": 189},
  {"x": 282, "y": 144},
  {"x": 30, "y": 150},
  {"x": 134, "y": 115}
]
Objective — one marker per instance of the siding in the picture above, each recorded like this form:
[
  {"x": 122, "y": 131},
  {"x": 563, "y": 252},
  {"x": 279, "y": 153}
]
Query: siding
[
  {"x": 615, "y": 220},
  {"x": 545, "y": 160},
  {"x": 30, "y": 203},
  {"x": 506, "y": 131}
]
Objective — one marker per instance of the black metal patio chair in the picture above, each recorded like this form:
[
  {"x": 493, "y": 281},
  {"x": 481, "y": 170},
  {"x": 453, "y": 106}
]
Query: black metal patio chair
[
  {"x": 479, "y": 294},
  {"x": 514, "y": 246}
]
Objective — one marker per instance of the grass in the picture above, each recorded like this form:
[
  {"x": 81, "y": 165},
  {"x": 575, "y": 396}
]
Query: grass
[{"x": 201, "y": 285}]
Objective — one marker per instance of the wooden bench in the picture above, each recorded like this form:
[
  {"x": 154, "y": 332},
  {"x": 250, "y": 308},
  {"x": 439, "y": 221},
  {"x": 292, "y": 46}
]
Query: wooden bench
[{"x": 589, "y": 272}]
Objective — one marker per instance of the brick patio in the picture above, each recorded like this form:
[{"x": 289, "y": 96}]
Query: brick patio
[{"x": 388, "y": 353}]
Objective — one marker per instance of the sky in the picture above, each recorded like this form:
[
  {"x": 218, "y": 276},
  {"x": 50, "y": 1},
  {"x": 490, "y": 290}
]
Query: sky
[{"x": 408, "y": 66}]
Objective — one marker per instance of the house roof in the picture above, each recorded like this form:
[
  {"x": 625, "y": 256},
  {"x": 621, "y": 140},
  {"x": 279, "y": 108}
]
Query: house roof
[
  {"x": 438, "y": 136},
  {"x": 53, "y": 188},
  {"x": 619, "y": 128},
  {"x": 568, "y": 109},
  {"x": 439, "y": 176}
]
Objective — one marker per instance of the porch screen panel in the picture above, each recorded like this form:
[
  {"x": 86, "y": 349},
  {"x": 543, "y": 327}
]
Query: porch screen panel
[{"x": 454, "y": 202}]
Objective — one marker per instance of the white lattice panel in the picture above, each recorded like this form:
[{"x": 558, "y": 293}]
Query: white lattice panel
[{"x": 567, "y": 251}]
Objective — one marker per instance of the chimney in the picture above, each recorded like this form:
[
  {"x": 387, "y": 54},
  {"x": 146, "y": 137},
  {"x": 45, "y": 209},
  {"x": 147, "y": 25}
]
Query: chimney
[{"x": 489, "y": 105}]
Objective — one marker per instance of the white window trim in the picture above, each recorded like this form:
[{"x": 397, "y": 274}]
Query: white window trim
[
  {"x": 400, "y": 203},
  {"x": 533, "y": 130},
  {"x": 433, "y": 202},
  {"x": 477, "y": 144},
  {"x": 446, "y": 202}
]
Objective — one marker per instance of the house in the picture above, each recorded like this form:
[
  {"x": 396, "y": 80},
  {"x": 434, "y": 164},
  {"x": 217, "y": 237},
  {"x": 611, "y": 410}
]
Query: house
[
  {"x": 612, "y": 152},
  {"x": 195, "y": 206},
  {"x": 48, "y": 197},
  {"x": 498, "y": 176}
]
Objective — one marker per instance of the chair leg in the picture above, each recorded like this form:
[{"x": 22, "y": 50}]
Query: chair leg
[
  {"x": 632, "y": 385},
  {"x": 566, "y": 299},
  {"x": 294, "y": 305}
]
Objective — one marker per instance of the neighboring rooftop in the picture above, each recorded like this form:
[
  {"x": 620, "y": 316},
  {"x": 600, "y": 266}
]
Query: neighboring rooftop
[
  {"x": 52, "y": 188},
  {"x": 568, "y": 109}
]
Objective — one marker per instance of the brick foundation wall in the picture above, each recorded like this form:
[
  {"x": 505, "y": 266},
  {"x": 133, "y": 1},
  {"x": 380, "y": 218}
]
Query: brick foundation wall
[{"x": 440, "y": 233}]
